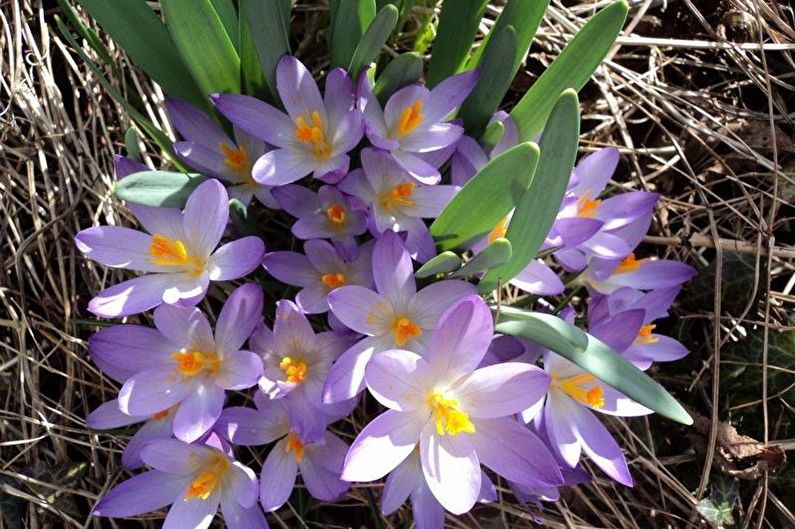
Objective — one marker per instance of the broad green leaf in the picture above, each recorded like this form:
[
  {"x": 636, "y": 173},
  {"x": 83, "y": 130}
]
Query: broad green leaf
[
  {"x": 495, "y": 78},
  {"x": 270, "y": 34},
  {"x": 158, "y": 188},
  {"x": 251, "y": 74},
  {"x": 486, "y": 199},
  {"x": 203, "y": 44},
  {"x": 142, "y": 35},
  {"x": 458, "y": 25},
  {"x": 441, "y": 264},
  {"x": 495, "y": 254},
  {"x": 373, "y": 39},
  {"x": 348, "y": 21},
  {"x": 225, "y": 9},
  {"x": 539, "y": 205},
  {"x": 403, "y": 70},
  {"x": 131, "y": 144},
  {"x": 594, "y": 356},
  {"x": 571, "y": 69}
]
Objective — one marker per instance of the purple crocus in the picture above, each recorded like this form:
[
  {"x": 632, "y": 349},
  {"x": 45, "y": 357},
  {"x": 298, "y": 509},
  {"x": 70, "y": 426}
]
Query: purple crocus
[
  {"x": 183, "y": 362},
  {"x": 319, "y": 463},
  {"x": 207, "y": 148},
  {"x": 320, "y": 271},
  {"x": 607, "y": 275},
  {"x": 396, "y": 315},
  {"x": 413, "y": 121},
  {"x": 195, "y": 479},
  {"x": 395, "y": 201},
  {"x": 469, "y": 157},
  {"x": 312, "y": 137},
  {"x": 460, "y": 415},
  {"x": 179, "y": 250}
]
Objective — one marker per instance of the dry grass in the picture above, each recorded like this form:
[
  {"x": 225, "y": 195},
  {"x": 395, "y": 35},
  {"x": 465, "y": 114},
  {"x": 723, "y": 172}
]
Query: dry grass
[{"x": 701, "y": 114}]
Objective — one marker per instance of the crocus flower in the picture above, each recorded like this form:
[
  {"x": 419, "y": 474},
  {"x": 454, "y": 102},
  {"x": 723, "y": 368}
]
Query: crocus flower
[
  {"x": 606, "y": 276},
  {"x": 413, "y": 121},
  {"x": 319, "y": 272},
  {"x": 207, "y": 148},
  {"x": 469, "y": 157},
  {"x": 319, "y": 463},
  {"x": 461, "y": 416},
  {"x": 326, "y": 214},
  {"x": 296, "y": 364},
  {"x": 182, "y": 362},
  {"x": 396, "y": 315},
  {"x": 312, "y": 137},
  {"x": 195, "y": 480},
  {"x": 179, "y": 250},
  {"x": 396, "y": 202}
]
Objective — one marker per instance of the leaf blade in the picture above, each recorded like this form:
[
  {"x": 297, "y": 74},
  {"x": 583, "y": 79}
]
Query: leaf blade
[
  {"x": 458, "y": 25},
  {"x": 163, "y": 189},
  {"x": 374, "y": 38},
  {"x": 271, "y": 36}
]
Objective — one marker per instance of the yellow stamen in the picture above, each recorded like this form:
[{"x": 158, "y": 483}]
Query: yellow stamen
[
  {"x": 399, "y": 196},
  {"x": 410, "y": 118},
  {"x": 645, "y": 336},
  {"x": 314, "y": 134},
  {"x": 205, "y": 483},
  {"x": 404, "y": 330},
  {"x": 236, "y": 158},
  {"x": 168, "y": 252},
  {"x": 499, "y": 230},
  {"x": 573, "y": 387},
  {"x": 336, "y": 214},
  {"x": 295, "y": 446},
  {"x": 448, "y": 418},
  {"x": 159, "y": 416},
  {"x": 333, "y": 280},
  {"x": 629, "y": 264},
  {"x": 191, "y": 363},
  {"x": 295, "y": 370},
  {"x": 586, "y": 207}
]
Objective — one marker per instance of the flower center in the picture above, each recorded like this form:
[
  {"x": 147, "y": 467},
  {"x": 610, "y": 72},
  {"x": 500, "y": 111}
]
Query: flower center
[
  {"x": 295, "y": 370},
  {"x": 168, "y": 252},
  {"x": 447, "y": 416},
  {"x": 629, "y": 264},
  {"x": 410, "y": 118},
  {"x": 295, "y": 446},
  {"x": 645, "y": 336},
  {"x": 313, "y": 133},
  {"x": 499, "y": 230},
  {"x": 206, "y": 482},
  {"x": 236, "y": 158},
  {"x": 159, "y": 416},
  {"x": 333, "y": 280},
  {"x": 404, "y": 330},
  {"x": 586, "y": 207},
  {"x": 399, "y": 196},
  {"x": 573, "y": 387},
  {"x": 191, "y": 363},
  {"x": 336, "y": 214}
]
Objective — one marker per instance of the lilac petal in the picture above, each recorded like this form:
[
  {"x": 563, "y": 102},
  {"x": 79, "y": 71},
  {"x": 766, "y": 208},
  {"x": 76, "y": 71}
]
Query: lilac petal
[
  {"x": 240, "y": 370},
  {"x": 538, "y": 278},
  {"x": 193, "y": 124},
  {"x": 239, "y": 316},
  {"x": 118, "y": 247},
  {"x": 607, "y": 246},
  {"x": 193, "y": 513},
  {"x": 419, "y": 169},
  {"x": 557, "y": 419},
  {"x": 256, "y": 118},
  {"x": 345, "y": 379},
  {"x": 419, "y": 242},
  {"x": 334, "y": 169},
  {"x": 451, "y": 468},
  {"x": 243, "y": 484},
  {"x": 594, "y": 171},
  {"x": 153, "y": 429},
  {"x": 428, "y": 305},
  {"x": 248, "y": 427},
  {"x": 239, "y": 517},
  {"x": 433, "y": 138},
  {"x": 655, "y": 274},
  {"x": 449, "y": 94},
  {"x": 361, "y": 309},
  {"x": 278, "y": 477},
  {"x": 405, "y": 479},
  {"x": 515, "y": 453},
  {"x": 313, "y": 299},
  {"x": 348, "y": 132},
  {"x": 140, "y": 494},
  {"x": 283, "y": 166},
  {"x": 397, "y": 379},
  {"x": 392, "y": 269},
  {"x": 571, "y": 260},
  {"x": 428, "y": 512},
  {"x": 468, "y": 159},
  {"x": 382, "y": 445},
  {"x": 108, "y": 416},
  {"x": 623, "y": 209},
  {"x": 322, "y": 483},
  {"x": 173, "y": 457},
  {"x": 184, "y": 327},
  {"x": 339, "y": 97},
  {"x": 236, "y": 259},
  {"x": 124, "y": 350},
  {"x": 124, "y": 166},
  {"x": 206, "y": 215},
  {"x": 620, "y": 330},
  {"x": 657, "y": 302},
  {"x": 291, "y": 268},
  {"x": 617, "y": 404},
  {"x": 297, "y": 200},
  {"x": 152, "y": 391},
  {"x": 316, "y": 227},
  {"x": 430, "y": 201},
  {"x": 208, "y": 161},
  {"x": 665, "y": 349},
  {"x": 501, "y": 390},
  {"x": 298, "y": 89},
  {"x": 576, "y": 230},
  {"x": 292, "y": 329},
  {"x": 198, "y": 412},
  {"x": 461, "y": 338},
  {"x": 600, "y": 446},
  {"x": 510, "y": 138}
]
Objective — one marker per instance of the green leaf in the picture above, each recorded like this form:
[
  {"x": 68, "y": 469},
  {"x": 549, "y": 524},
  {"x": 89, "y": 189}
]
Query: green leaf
[
  {"x": 251, "y": 73},
  {"x": 493, "y": 255},
  {"x": 142, "y": 35},
  {"x": 242, "y": 219},
  {"x": 458, "y": 25},
  {"x": 495, "y": 78},
  {"x": 225, "y": 9},
  {"x": 349, "y": 19},
  {"x": 486, "y": 199},
  {"x": 441, "y": 264},
  {"x": 131, "y": 144},
  {"x": 403, "y": 70},
  {"x": 203, "y": 44},
  {"x": 571, "y": 69},
  {"x": 270, "y": 35},
  {"x": 88, "y": 34},
  {"x": 492, "y": 135},
  {"x": 374, "y": 38},
  {"x": 539, "y": 205},
  {"x": 163, "y": 189},
  {"x": 594, "y": 356}
]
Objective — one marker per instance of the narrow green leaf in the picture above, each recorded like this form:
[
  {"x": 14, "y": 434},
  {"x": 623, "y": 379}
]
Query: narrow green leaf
[
  {"x": 225, "y": 9},
  {"x": 88, "y": 34},
  {"x": 441, "y": 264},
  {"x": 594, "y": 356},
  {"x": 131, "y": 144},
  {"x": 270, "y": 34},
  {"x": 158, "y": 188},
  {"x": 349, "y": 19},
  {"x": 486, "y": 199},
  {"x": 203, "y": 44},
  {"x": 374, "y": 38},
  {"x": 403, "y": 70},
  {"x": 458, "y": 25},
  {"x": 571, "y": 69},
  {"x": 492, "y": 135},
  {"x": 495, "y": 78},
  {"x": 539, "y": 205},
  {"x": 252, "y": 76},
  {"x": 495, "y": 254}
]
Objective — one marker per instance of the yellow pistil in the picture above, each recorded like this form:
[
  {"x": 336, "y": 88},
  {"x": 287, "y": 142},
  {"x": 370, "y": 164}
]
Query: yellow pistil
[
  {"x": 236, "y": 158},
  {"x": 499, "y": 230},
  {"x": 295, "y": 446},
  {"x": 191, "y": 363},
  {"x": 295, "y": 370},
  {"x": 645, "y": 336},
  {"x": 629, "y": 264},
  {"x": 333, "y": 280},
  {"x": 168, "y": 252},
  {"x": 313, "y": 133},
  {"x": 398, "y": 196},
  {"x": 205, "y": 483},
  {"x": 573, "y": 387},
  {"x": 410, "y": 118},
  {"x": 336, "y": 214},
  {"x": 448, "y": 418},
  {"x": 404, "y": 330},
  {"x": 586, "y": 207}
]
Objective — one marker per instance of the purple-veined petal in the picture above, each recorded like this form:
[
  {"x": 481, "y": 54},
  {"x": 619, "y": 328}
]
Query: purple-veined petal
[
  {"x": 322, "y": 483},
  {"x": 243, "y": 484},
  {"x": 185, "y": 327},
  {"x": 501, "y": 390},
  {"x": 449, "y": 94},
  {"x": 437, "y": 136},
  {"x": 297, "y": 200},
  {"x": 451, "y": 468},
  {"x": 108, "y": 416},
  {"x": 298, "y": 89},
  {"x": 340, "y": 96},
  {"x": 345, "y": 379},
  {"x": 332, "y": 170},
  {"x": 198, "y": 412},
  {"x": 576, "y": 230},
  {"x": 405, "y": 479},
  {"x": 313, "y": 299},
  {"x": 239, "y": 370},
  {"x": 256, "y": 118},
  {"x": 206, "y": 160},
  {"x": 193, "y": 124},
  {"x": 392, "y": 270},
  {"x": 123, "y": 350},
  {"x": 428, "y": 512},
  {"x": 140, "y": 494},
  {"x": 620, "y": 210},
  {"x": 239, "y": 316},
  {"x": 118, "y": 247},
  {"x": 593, "y": 172},
  {"x": 194, "y": 513},
  {"x": 600, "y": 446},
  {"x": 428, "y": 305},
  {"x": 206, "y": 215},
  {"x": 398, "y": 379},
  {"x": 173, "y": 457},
  {"x": 538, "y": 278},
  {"x": 239, "y": 517},
  {"x": 248, "y": 427},
  {"x": 155, "y": 428},
  {"x": 557, "y": 418},
  {"x": 620, "y": 330},
  {"x": 291, "y": 268},
  {"x": 361, "y": 309},
  {"x": 283, "y": 166},
  {"x": 607, "y": 246},
  {"x": 428, "y": 202},
  {"x": 152, "y": 391},
  {"x": 419, "y": 169},
  {"x": 278, "y": 477},
  {"x": 236, "y": 259},
  {"x": 461, "y": 338}
]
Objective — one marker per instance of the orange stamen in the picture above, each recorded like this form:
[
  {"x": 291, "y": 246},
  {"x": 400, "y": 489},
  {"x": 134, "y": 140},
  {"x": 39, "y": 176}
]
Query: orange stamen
[
  {"x": 629, "y": 264},
  {"x": 336, "y": 214},
  {"x": 236, "y": 158},
  {"x": 168, "y": 252},
  {"x": 313, "y": 133},
  {"x": 573, "y": 387},
  {"x": 645, "y": 336},
  {"x": 333, "y": 280},
  {"x": 399, "y": 196},
  {"x": 410, "y": 118},
  {"x": 295, "y": 370},
  {"x": 499, "y": 230},
  {"x": 404, "y": 330},
  {"x": 191, "y": 363},
  {"x": 586, "y": 207},
  {"x": 295, "y": 446},
  {"x": 206, "y": 482}
]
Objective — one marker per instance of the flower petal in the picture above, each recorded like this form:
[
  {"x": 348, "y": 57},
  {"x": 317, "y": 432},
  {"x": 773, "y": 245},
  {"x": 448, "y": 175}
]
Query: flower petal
[
  {"x": 256, "y": 118},
  {"x": 461, "y": 338},
  {"x": 140, "y": 494},
  {"x": 557, "y": 419},
  {"x": 292, "y": 268},
  {"x": 361, "y": 309},
  {"x": 538, "y": 278},
  {"x": 248, "y": 427},
  {"x": 428, "y": 305},
  {"x": 392, "y": 269},
  {"x": 193, "y": 124},
  {"x": 118, "y": 247},
  {"x": 185, "y": 327},
  {"x": 239, "y": 316},
  {"x": 239, "y": 517},
  {"x": 198, "y": 412},
  {"x": 236, "y": 259},
  {"x": 451, "y": 468},
  {"x": 449, "y": 94},
  {"x": 240, "y": 370},
  {"x": 419, "y": 169},
  {"x": 192, "y": 513},
  {"x": 155, "y": 428},
  {"x": 173, "y": 456},
  {"x": 398, "y": 379},
  {"x": 108, "y": 416},
  {"x": 298, "y": 89},
  {"x": 593, "y": 172},
  {"x": 600, "y": 446},
  {"x": 405, "y": 479},
  {"x": 501, "y": 389},
  {"x": 345, "y": 379},
  {"x": 320, "y": 469},
  {"x": 428, "y": 512},
  {"x": 278, "y": 477},
  {"x": 283, "y": 166},
  {"x": 152, "y": 391},
  {"x": 205, "y": 217},
  {"x": 123, "y": 350}
]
